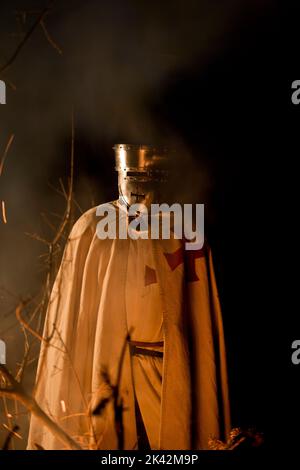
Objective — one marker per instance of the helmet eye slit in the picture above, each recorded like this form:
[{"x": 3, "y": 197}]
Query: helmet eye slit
[{"x": 137, "y": 174}]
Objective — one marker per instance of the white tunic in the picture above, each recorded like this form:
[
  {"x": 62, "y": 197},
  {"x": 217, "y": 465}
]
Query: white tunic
[
  {"x": 145, "y": 323},
  {"x": 143, "y": 303}
]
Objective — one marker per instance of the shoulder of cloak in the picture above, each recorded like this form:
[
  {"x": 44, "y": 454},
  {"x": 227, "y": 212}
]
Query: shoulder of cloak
[{"x": 87, "y": 222}]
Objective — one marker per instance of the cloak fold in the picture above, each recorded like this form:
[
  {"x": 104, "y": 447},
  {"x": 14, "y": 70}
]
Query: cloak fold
[{"x": 86, "y": 321}]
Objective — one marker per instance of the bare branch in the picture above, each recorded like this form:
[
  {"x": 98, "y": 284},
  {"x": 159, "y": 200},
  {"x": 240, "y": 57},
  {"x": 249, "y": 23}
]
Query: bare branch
[
  {"x": 11, "y": 434},
  {"x": 49, "y": 38},
  {"x": 70, "y": 193},
  {"x": 8, "y": 145},
  {"x": 16, "y": 391},
  {"x": 38, "y": 238},
  {"x": 31, "y": 330},
  {"x": 40, "y": 18}
]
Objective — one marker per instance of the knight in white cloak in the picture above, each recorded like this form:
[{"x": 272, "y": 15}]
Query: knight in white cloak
[{"x": 134, "y": 355}]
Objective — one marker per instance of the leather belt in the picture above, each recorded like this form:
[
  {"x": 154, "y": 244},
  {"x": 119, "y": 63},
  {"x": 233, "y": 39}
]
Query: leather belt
[{"x": 138, "y": 347}]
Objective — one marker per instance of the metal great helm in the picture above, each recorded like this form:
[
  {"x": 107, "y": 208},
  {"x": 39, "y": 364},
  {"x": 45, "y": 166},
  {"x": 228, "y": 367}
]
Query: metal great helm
[{"x": 142, "y": 173}]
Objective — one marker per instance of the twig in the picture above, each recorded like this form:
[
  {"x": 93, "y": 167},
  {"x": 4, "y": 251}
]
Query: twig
[
  {"x": 48, "y": 222},
  {"x": 31, "y": 330},
  {"x": 49, "y": 38},
  {"x": 24, "y": 323},
  {"x": 71, "y": 182},
  {"x": 3, "y": 210},
  {"x": 9, "y": 437},
  {"x": 10, "y": 141},
  {"x": 38, "y": 238},
  {"x": 25, "y": 359}
]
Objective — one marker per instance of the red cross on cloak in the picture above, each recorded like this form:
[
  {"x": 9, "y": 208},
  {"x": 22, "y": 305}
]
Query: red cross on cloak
[{"x": 188, "y": 258}]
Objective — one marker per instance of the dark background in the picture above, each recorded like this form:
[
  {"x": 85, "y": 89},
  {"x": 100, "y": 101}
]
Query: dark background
[{"x": 211, "y": 78}]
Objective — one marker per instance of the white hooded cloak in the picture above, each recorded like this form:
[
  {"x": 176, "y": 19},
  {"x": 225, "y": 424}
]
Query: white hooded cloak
[{"x": 158, "y": 291}]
